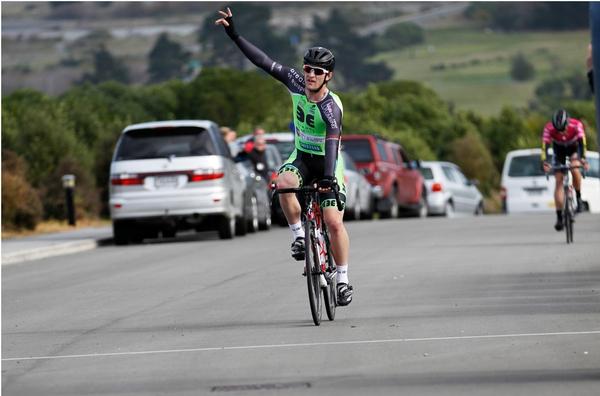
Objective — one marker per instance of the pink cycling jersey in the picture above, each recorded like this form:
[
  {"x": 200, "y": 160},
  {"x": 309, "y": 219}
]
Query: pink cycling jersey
[{"x": 569, "y": 137}]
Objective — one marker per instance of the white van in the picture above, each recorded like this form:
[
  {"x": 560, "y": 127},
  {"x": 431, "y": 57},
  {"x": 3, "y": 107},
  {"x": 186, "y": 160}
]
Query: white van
[
  {"x": 590, "y": 186},
  {"x": 526, "y": 189},
  {"x": 172, "y": 175}
]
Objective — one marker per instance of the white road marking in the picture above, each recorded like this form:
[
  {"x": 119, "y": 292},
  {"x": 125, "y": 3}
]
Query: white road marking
[{"x": 308, "y": 344}]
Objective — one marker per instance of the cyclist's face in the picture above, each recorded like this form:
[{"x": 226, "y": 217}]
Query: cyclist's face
[{"x": 315, "y": 76}]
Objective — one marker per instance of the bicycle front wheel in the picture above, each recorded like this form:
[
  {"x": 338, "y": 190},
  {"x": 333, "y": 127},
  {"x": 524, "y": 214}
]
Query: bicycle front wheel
[
  {"x": 568, "y": 213},
  {"x": 312, "y": 270},
  {"x": 330, "y": 292}
]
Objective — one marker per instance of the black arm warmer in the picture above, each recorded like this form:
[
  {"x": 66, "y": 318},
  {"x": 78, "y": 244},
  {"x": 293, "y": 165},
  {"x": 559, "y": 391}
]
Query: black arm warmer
[
  {"x": 581, "y": 148},
  {"x": 331, "y": 155}
]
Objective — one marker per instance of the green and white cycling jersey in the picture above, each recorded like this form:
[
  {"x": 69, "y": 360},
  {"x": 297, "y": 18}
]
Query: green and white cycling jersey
[{"x": 317, "y": 126}]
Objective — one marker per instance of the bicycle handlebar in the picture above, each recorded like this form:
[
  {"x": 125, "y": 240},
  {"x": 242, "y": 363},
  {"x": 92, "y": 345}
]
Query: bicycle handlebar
[
  {"x": 565, "y": 168},
  {"x": 311, "y": 189}
]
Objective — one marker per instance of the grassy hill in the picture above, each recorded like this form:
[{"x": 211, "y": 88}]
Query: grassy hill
[{"x": 476, "y": 64}]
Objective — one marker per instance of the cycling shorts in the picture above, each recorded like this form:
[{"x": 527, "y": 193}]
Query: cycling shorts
[
  {"x": 310, "y": 168},
  {"x": 562, "y": 152}
]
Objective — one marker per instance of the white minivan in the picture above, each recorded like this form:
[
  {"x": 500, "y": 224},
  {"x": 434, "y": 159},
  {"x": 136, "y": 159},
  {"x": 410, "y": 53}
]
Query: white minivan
[
  {"x": 525, "y": 187},
  {"x": 171, "y": 175}
]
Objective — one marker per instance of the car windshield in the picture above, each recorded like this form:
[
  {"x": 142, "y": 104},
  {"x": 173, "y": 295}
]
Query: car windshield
[
  {"x": 285, "y": 148},
  {"x": 427, "y": 173},
  {"x": 164, "y": 143},
  {"x": 359, "y": 150},
  {"x": 526, "y": 166}
]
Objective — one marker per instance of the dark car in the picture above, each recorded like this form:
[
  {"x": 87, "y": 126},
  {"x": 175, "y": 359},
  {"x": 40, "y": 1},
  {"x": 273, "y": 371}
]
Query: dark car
[
  {"x": 257, "y": 205},
  {"x": 396, "y": 181}
]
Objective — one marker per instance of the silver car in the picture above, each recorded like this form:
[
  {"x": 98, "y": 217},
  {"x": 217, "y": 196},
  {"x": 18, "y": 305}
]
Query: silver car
[
  {"x": 359, "y": 192},
  {"x": 449, "y": 191},
  {"x": 172, "y": 175}
]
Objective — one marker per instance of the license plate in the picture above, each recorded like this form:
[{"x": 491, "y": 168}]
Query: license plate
[
  {"x": 165, "y": 181},
  {"x": 534, "y": 192}
]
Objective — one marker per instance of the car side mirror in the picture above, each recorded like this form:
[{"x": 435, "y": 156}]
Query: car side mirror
[{"x": 472, "y": 182}]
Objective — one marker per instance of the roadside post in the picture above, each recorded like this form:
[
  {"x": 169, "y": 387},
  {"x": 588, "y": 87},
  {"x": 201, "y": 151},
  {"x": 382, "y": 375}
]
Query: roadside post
[{"x": 68, "y": 182}]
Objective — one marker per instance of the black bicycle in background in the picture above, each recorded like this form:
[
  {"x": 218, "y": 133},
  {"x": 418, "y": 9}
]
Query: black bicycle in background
[
  {"x": 319, "y": 269},
  {"x": 568, "y": 209}
]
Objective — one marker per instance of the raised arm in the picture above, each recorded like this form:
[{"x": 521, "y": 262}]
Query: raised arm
[{"x": 255, "y": 55}]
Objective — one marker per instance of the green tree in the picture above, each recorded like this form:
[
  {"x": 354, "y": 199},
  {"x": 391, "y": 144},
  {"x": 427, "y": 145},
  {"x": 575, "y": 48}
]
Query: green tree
[
  {"x": 106, "y": 68},
  {"x": 521, "y": 69},
  {"x": 471, "y": 154},
  {"x": 352, "y": 52},
  {"x": 252, "y": 22},
  {"x": 400, "y": 36},
  {"x": 167, "y": 59}
]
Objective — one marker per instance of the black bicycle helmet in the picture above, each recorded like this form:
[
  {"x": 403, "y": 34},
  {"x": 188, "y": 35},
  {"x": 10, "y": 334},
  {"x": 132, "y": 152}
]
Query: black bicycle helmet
[
  {"x": 320, "y": 57},
  {"x": 560, "y": 119}
]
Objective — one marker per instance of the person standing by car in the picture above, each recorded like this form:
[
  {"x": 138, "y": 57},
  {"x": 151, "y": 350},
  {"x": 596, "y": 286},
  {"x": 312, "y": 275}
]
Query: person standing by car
[
  {"x": 258, "y": 157},
  {"x": 566, "y": 136},
  {"x": 318, "y": 126}
]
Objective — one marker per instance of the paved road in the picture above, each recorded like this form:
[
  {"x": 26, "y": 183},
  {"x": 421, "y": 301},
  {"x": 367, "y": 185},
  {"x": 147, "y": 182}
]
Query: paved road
[{"x": 486, "y": 306}]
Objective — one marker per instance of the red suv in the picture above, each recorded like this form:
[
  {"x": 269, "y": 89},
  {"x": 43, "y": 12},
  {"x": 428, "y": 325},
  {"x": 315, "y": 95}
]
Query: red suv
[{"x": 397, "y": 184}]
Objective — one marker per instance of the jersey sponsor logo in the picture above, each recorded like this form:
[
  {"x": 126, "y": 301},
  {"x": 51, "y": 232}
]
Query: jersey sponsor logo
[
  {"x": 310, "y": 138},
  {"x": 310, "y": 120},
  {"x": 310, "y": 147}
]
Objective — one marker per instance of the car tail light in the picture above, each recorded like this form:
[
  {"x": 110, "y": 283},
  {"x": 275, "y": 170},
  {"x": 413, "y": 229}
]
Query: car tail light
[
  {"x": 436, "y": 187},
  {"x": 126, "y": 179},
  {"x": 377, "y": 175},
  {"x": 206, "y": 174}
]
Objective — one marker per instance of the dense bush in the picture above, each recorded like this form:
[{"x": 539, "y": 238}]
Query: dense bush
[
  {"x": 21, "y": 206},
  {"x": 76, "y": 132},
  {"x": 521, "y": 69}
]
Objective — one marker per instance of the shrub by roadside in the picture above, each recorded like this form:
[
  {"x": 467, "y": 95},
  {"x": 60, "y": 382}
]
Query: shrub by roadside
[{"x": 21, "y": 206}]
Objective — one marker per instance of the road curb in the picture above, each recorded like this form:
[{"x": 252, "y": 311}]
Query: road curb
[{"x": 53, "y": 250}]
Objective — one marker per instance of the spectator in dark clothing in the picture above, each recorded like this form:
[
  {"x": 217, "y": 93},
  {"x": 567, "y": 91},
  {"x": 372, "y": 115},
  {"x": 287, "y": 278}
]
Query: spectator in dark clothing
[{"x": 258, "y": 156}]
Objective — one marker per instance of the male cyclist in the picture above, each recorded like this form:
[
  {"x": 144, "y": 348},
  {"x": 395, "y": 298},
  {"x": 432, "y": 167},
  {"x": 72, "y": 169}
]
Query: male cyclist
[
  {"x": 317, "y": 116},
  {"x": 567, "y": 138}
]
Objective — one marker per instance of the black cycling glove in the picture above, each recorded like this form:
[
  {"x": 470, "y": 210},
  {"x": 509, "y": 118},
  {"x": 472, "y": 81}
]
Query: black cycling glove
[
  {"x": 327, "y": 182},
  {"x": 230, "y": 30}
]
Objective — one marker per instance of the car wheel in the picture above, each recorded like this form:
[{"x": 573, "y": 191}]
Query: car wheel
[
  {"x": 449, "y": 210},
  {"x": 226, "y": 227},
  {"x": 266, "y": 223},
  {"x": 252, "y": 224},
  {"x": 393, "y": 210},
  {"x": 479, "y": 209},
  {"x": 423, "y": 210},
  {"x": 120, "y": 233}
]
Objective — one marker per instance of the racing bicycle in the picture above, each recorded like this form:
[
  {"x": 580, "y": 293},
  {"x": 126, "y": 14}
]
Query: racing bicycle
[
  {"x": 319, "y": 269},
  {"x": 568, "y": 209}
]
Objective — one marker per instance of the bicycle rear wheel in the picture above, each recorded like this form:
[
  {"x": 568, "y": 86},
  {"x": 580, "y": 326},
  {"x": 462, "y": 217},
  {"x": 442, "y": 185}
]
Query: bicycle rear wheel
[{"x": 312, "y": 273}]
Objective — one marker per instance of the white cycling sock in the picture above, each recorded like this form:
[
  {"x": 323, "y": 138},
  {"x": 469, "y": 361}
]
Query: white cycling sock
[
  {"x": 342, "y": 274},
  {"x": 297, "y": 230}
]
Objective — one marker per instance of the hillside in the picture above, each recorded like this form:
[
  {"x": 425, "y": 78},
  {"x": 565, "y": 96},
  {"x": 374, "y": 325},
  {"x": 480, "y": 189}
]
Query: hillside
[
  {"x": 471, "y": 67},
  {"x": 48, "y": 48}
]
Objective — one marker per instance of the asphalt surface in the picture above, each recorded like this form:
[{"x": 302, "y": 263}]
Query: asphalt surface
[{"x": 493, "y": 305}]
